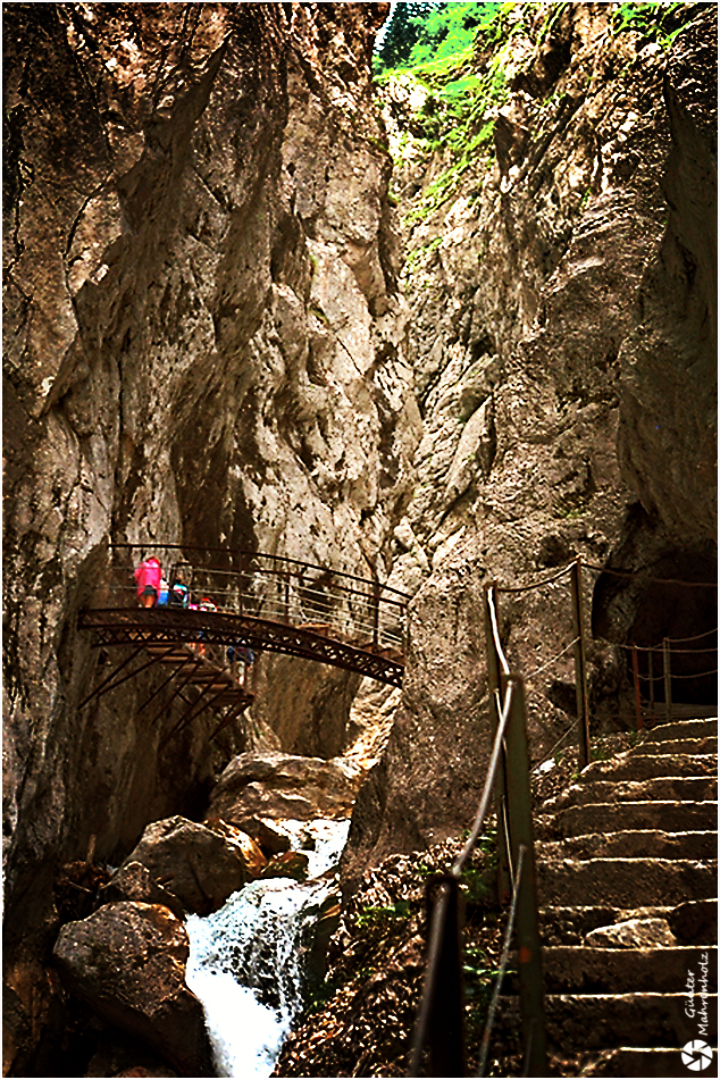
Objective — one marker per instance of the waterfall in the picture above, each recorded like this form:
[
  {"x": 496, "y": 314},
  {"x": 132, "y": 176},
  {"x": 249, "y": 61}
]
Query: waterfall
[{"x": 245, "y": 961}]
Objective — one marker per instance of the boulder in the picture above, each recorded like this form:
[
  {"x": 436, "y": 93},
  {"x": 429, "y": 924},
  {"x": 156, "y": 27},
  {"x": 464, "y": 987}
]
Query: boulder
[
  {"x": 133, "y": 881},
  {"x": 632, "y": 934},
  {"x": 241, "y": 841},
  {"x": 695, "y": 922},
  {"x": 193, "y": 862},
  {"x": 270, "y": 838},
  {"x": 277, "y": 785},
  {"x": 127, "y": 961}
]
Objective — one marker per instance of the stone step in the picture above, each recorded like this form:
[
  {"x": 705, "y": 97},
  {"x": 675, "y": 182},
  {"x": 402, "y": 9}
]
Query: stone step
[
  {"x": 706, "y": 746},
  {"x": 695, "y": 922},
  {"x": 632, "y": 843},
  {"x": 666, "y": 815},
  {"x": 692, "y": 922},
  {"x": 580, "y": 1022},
  {"x": 643, "y": 1061},
  {"x": 571, "y": 925},
  {"x": 582, "y": 970},
  {"x": 683, "y": 729},
  {"x": 666, "y": 788},
  {"x": 625, "y": 882},
  {"x": 636, "y": 766}
]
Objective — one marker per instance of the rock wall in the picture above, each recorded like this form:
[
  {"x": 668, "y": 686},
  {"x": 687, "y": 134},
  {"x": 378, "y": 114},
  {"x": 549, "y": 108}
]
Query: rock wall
[
  {"x": 563, "y": 334},
  {"x": 208, "y": 340},
  {"x": 205, "y": 343}
]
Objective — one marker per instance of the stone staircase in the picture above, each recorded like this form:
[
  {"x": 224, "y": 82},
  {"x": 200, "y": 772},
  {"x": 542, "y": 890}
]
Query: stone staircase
[{"x": 627, "y": 880}]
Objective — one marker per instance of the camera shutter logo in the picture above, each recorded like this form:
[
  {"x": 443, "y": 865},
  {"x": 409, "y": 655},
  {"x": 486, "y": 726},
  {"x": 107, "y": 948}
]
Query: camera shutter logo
[{"x": 696, "y": 1055}]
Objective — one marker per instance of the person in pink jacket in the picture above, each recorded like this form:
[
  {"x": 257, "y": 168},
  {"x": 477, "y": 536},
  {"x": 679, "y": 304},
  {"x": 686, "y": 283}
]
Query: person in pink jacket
[{"x": 147, "y": 581}]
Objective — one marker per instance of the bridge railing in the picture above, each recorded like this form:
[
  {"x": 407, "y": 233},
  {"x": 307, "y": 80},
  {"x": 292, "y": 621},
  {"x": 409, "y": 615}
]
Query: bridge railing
[{"x": 329, "y": 602}]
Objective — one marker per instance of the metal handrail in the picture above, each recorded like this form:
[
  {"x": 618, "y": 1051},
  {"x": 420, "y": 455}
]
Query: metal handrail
[
  {"x": 256, "y": 555},
  {"x": 274, "y": 588},
  {"x": 439, "y": 1018},
  {"x": 485, "y": 1042}
]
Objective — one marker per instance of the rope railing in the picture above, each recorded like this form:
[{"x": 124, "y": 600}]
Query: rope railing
[
  {"x": 439, "y": 1019},
  {"x": 505, "y": 956},
  {"x": 439, "y": 1022},
  {"x": 630, "y": 574},
  {"x": 670, "y": 647}
]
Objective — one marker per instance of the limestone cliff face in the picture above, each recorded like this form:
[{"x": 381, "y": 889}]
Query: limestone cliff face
[
  {"x": 209, "y": 340},
  {"x": 205, "y": 343},
  {"x": 563, "y": 335}
]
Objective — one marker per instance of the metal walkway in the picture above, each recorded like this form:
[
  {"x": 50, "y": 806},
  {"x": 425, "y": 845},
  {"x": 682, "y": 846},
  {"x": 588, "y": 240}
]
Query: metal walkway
[
  {"x": 164, "y": 626},
  {"x": 263, "y": 603}
]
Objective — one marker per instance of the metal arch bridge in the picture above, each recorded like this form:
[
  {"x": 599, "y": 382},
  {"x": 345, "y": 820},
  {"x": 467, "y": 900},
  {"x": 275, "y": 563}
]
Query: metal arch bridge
[{"x": 264, "y": 603}]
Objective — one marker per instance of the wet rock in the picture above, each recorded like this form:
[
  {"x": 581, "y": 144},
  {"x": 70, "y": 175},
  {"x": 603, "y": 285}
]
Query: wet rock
[
  {"x": 279, "y": 785},
  {"x": 240, "y": 840},
  {"x": 290, "y": 864},
  {"x": 127, "y": 961},
  {"x": 270, "y": 839},
  {"x": 193, "y": 862},
  {"x": 328, "y": 920}
]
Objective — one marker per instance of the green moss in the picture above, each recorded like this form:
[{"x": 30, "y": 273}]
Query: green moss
[
  {"x": 420, "y": 255},
  {"x": 660, "y": 22}
]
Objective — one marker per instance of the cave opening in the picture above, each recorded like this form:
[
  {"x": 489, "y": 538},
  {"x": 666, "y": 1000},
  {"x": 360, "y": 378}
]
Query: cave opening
[{"x": 669, "y": 612}]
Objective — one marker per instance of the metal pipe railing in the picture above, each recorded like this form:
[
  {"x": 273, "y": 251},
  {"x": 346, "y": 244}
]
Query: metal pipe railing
[
  {"x": 355, "y": 610},
  {"x": 439, "y": 1019}
]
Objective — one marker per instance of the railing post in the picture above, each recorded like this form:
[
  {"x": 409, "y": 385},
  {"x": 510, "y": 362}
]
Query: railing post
[
  {"x": 583, "y": 709},
  {"x": 636, "y": 683},
  {"x": 439, "y": 1021},
  {"x": 493, "y": 667},
  {"x": 445, "y": 1027},
  {"x": 376, "y": 613},
  {"x": 667, "y": 679},
  {"x": 530, "y": 970}
]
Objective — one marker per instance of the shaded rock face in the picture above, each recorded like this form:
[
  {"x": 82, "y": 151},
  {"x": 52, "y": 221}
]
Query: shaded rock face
[
  {"x": 128, "y": 962},
  {"x": 196, "y": 864},
  {"x": 563, "y": 329},
  {"x": 275, "y": 785},
  {"x": 205, "y": 343}
]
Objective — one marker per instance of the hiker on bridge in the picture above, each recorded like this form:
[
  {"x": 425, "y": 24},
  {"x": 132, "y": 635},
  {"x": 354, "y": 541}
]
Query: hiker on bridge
[
  {"x": 147, "y": 580},
  {"x": 243, "y": 653}
]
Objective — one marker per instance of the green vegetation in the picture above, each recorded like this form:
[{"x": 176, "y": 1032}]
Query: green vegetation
[
  {"x": 480, "y": 977},
  {"x": 432, "y": 46},
  {"x": 374, "y": 916},
  {"x": 425, "y": 33},
  {"x": 653, "y": 22}
]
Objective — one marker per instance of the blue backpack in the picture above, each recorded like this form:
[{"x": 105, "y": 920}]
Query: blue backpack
[{"x": 179, "y": 595}]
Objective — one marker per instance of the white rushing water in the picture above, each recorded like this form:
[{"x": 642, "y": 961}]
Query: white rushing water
[{"x": 245, "y": 959}]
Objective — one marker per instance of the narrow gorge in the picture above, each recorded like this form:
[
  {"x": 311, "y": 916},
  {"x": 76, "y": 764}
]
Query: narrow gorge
[{"x": 413, "y": 330}]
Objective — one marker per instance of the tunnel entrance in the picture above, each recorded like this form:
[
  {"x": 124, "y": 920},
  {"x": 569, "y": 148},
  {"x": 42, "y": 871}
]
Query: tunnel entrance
[{"x": 670, "y": 613}]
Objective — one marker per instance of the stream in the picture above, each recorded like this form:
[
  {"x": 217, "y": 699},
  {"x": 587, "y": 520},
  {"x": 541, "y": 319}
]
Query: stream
[{"x": 245, "y": 961}]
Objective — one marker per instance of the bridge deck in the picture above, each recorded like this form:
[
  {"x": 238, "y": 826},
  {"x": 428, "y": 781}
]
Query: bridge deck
[{"x": 165, "y": 626}]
